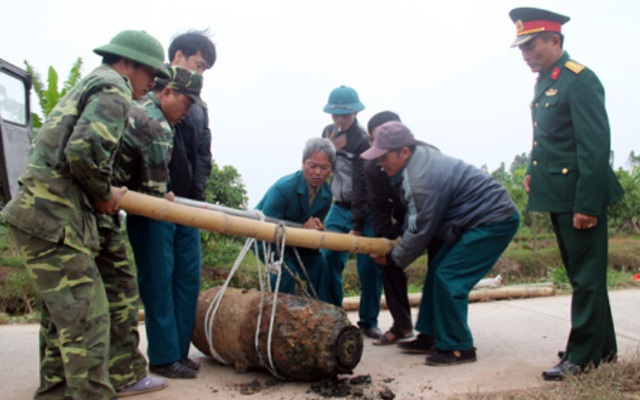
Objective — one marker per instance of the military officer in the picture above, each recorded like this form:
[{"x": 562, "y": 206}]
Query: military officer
[
  {"x": 570, "y": 177},
  {"x": 52, "y": 218}
]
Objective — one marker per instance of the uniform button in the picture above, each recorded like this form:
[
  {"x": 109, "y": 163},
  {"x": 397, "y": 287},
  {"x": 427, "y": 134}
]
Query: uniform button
[
  {"x": 535, "y": 124},
  {"x": 537, "y": 105},
  {"x": 546, "y": 105},
  {"x": 535, "y": 144},
  {"x": 565, "y": 171},
  {"x": 535, "y": 163}
]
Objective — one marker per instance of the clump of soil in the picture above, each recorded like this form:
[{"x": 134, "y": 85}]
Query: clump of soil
[
  {"x": 359, "y": 387},
  {"x": 255, "y": 386}
]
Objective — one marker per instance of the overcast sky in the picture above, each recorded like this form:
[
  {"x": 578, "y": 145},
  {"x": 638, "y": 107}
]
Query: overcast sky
[{"x": 446, "y": 67}]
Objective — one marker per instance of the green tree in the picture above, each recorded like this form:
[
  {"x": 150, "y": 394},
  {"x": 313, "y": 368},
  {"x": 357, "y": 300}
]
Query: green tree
[
  {"x": 520, "y": 161},
  {"x": 225, "y": 188},
  {"x": 512, "y": 180},
  {"x": 534, "y": 222},
  {"x": 502, "y": 176},
  {"x": 625, "y": 213},
  {"x": 50, "y": 96}
]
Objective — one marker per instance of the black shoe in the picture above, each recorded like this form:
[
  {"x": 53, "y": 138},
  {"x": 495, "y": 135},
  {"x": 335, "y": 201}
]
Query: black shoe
[
  {"x": 422, "y": 344},
  {"x": 174, "y": 370},
  {"x": 189, "y": 363},
  {"x": 612, "y": 358},
  {"x": 454, "y": 357},
  {"x": 372, "y": 332},
  {"x": 560, "y": 371}
]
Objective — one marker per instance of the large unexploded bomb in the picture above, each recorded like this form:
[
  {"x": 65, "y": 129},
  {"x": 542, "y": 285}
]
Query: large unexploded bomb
[{"x": 310, "y": 340}]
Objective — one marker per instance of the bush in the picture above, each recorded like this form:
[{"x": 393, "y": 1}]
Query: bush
[
  {"x": 519, "y": 264},
  {"x": 220, "y": 250},
  {"x": 219, "y": 254},
  {"x": 18, "y": 294}
]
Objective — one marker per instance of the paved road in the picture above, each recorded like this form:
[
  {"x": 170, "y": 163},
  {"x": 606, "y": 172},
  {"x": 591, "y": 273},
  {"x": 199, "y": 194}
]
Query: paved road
[{"x": 516, "y": 340}]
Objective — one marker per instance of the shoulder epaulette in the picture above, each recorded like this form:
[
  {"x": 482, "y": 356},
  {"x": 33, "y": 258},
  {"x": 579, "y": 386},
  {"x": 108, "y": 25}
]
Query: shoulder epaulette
[{"x": 574, "y": 67}]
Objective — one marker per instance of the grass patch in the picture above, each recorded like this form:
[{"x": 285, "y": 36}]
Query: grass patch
[
  {"x": 613, "y": 381},
  {"x": 519, "y": 264}
]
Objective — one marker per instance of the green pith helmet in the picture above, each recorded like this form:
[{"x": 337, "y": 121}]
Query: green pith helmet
[
  {"x": 137, "y": 46},
  {"x": 343, "y": 100}
]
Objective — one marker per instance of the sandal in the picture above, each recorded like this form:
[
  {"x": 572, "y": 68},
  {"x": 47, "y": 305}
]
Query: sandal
[{"x": 391, "y": 337}]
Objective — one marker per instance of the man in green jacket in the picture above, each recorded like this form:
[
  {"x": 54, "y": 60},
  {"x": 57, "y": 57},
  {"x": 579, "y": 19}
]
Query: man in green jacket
[
  {"x": 52, "y": 218},
  {"x": 570, "y": 177},
  {"x": 303, "y": 197}
]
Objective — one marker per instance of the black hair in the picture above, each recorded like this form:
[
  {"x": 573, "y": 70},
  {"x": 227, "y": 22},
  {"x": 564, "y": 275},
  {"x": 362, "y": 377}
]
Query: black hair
[
  {"x": 411, "y": 147},
  {"x": 381, "y": 118},
  {"x": 191, "y": 42},
  {"x": 110, "y": 59}
]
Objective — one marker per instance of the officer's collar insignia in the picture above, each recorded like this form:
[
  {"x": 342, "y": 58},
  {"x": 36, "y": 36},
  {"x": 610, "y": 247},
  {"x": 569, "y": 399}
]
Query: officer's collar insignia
[
  {"x": 555, "y": 73},
  {"x": 551, "y": 92}
]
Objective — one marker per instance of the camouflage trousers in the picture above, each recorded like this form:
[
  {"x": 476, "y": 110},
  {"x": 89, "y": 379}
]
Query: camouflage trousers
[
  {"x": 127, "y": 365},
  {"x": 74, "y": 325}
]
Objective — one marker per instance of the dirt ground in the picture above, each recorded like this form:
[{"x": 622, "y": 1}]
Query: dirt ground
[{"x": 516, "y": 340}]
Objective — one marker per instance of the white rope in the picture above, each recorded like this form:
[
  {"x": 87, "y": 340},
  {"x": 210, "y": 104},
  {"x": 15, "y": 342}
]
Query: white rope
[
  {"x": 306, "y": 275},
  {"x": 271, "y": 266},
  {"x": 275, "y": 267},
  {"x": 270, "y": 365},
  {"x": 215, "y": 303}
]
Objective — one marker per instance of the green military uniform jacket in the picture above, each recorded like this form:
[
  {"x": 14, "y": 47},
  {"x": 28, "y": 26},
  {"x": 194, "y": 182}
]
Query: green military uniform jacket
[
  {"x": 145, "y": 152},
  {"x": 570, "y": 170},
  {"x": 70, "y": 163}
]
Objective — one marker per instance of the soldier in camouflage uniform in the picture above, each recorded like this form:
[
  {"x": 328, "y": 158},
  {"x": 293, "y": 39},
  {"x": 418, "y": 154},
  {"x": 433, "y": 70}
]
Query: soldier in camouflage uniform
[
  {"x": 52, "y": 218},
  {"x": 127, "y": 365},
  {"x": 144, "y": 166},
  {"x": 143, "y": 160},
  {"x": 169, "y": 281}
]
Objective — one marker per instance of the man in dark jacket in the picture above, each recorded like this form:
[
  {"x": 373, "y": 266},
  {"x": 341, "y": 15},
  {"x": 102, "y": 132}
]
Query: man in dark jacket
[
  {"x": 458, "y": 204},
  {"x": 386, "y": 213},
  {"x": 348, "y": 213},
  {"x": 172, "y": 282}
]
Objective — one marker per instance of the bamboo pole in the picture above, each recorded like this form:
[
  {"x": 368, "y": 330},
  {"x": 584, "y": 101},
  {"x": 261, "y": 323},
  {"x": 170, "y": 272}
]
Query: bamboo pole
[
  {"x": 164, "y": 210},
  {"x": 501, "y": 293},
  {"x": 513, "y": 292}
]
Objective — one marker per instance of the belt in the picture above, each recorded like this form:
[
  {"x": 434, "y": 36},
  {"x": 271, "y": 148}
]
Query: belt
[{"x": 343, "y": 204}]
